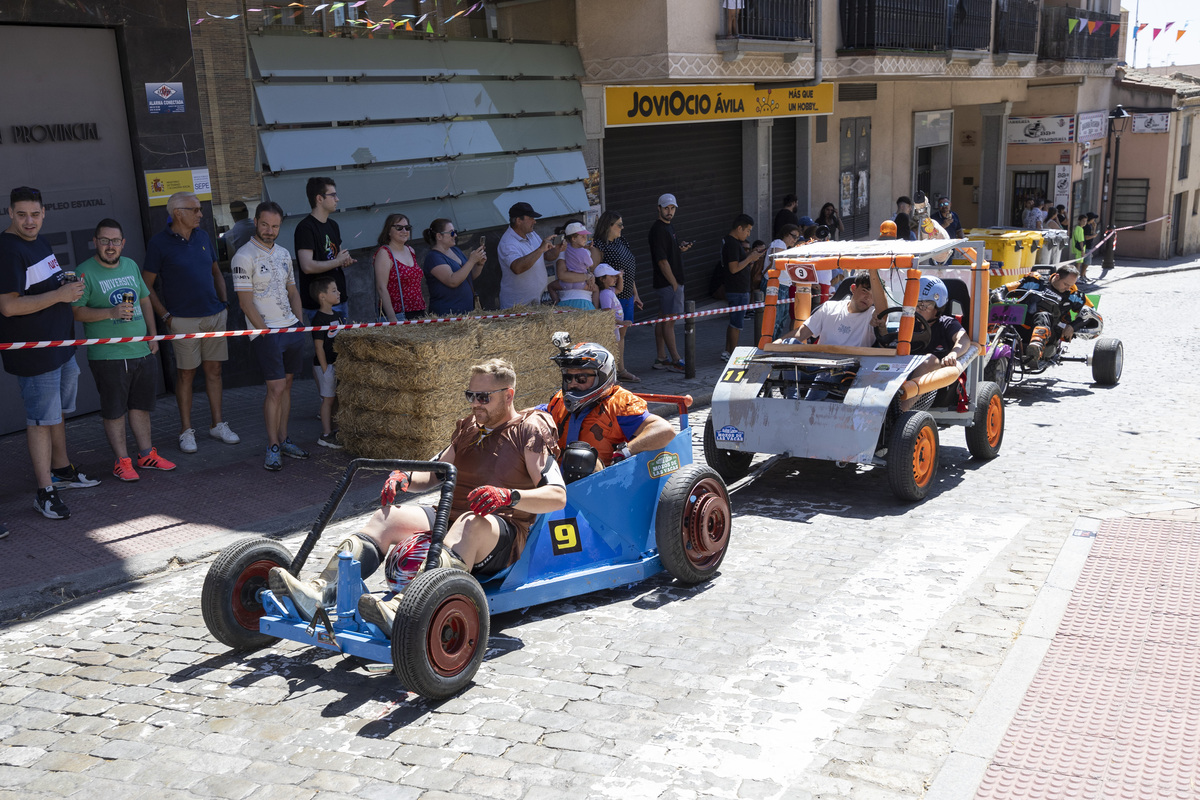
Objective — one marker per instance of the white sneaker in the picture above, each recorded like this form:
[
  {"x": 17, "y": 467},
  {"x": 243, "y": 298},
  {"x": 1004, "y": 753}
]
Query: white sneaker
[
  {"x": 187, "y": 441},
  {"x": 221, "y": 431}
]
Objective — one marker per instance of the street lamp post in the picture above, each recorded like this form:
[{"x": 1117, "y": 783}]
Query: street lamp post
[{"x": 1118, "y": 118}]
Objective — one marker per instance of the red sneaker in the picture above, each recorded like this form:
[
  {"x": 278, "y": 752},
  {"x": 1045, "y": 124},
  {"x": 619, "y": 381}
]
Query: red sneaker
[
  {"x": 123, "y": 469},
  {"x": 153, "y": 460}
]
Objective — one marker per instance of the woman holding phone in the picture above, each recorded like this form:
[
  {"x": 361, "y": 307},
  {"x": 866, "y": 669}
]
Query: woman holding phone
[
  {"x": 397, "y": 274},
  {"x": 449, "y": 272}
]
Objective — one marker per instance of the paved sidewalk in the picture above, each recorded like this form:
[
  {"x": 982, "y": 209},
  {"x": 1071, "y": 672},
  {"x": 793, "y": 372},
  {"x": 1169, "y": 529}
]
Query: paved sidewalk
[{"x": 123, "y": 531}]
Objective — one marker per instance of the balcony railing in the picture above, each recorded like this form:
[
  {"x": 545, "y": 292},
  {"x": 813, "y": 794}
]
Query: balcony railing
[
  {"x": 1016, "y": 26},
  {"x": 932, "y": 25},
  {"x": 1058, "y": 43},
  {"x": 778, "y": 20},
  {"x": 970, "y": 25}
]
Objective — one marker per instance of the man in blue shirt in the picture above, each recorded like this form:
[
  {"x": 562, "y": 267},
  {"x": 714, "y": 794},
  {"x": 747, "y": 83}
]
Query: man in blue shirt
[{"x": 190, "y": 299}]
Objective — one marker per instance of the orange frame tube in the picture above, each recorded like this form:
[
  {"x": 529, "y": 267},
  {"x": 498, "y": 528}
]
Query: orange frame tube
[
  {"x": 912, "y": 287},
  {"x": 769, "y": 311}
]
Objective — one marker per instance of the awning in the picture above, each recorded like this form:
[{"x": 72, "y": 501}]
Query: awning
[{"x": 429, "y": 128}]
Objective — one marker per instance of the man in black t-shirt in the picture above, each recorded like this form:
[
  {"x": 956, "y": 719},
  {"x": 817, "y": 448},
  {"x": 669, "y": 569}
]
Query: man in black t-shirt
[
  {"x": 948, "y": 340},
  {"x": 318, "y": 245},
  {"x": 667, "y": 254},
  {"x": 786, "y": 215},
  {"x": 35, "y": 305},
  {"x": 738, "y": 260}
]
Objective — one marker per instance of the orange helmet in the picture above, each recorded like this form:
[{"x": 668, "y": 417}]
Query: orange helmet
[{"x": 887, "y": 229}]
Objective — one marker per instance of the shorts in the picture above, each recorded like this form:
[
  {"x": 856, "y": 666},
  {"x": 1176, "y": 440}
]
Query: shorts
[
  {"x": 124, "y": 384},
  {"x": 737, "y": 318},
  {"x": 627, "y": 308},
  {"x": 670, "y": 300},
  {"x": 279, "y": 354},
  {"x": 50, "y": 396},
  {"x": 498, "y": 558},
  {"x": 326, "y": 380},
  {"x": 189, "y": 353},
  {"x": 582, "y": 305}
]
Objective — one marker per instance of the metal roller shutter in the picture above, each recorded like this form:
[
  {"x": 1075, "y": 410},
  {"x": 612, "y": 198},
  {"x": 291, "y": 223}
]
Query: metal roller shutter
[{"x": 701, "y": 164}]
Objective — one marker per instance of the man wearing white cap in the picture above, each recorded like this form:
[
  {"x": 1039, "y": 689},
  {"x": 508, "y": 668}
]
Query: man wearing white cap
[{"x": 666, "y": 251}]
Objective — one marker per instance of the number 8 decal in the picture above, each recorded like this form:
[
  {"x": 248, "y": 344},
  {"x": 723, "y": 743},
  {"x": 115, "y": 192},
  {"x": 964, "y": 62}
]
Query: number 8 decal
[{"x": 564, "y": 536}]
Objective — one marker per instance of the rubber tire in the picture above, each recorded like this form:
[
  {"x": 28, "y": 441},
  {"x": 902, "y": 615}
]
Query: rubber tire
[
  {"x": 458, "y": 598},
  {"x": 912, "y": 430},
  {"x": 1108, "y": 359},
  {"x": 229, "y": 600},
  {"x": 732, "y": 465},
  {"x": 987, "y": 434},
  {"x": 693, "y": 510},
  {"x": 997, "y": 371}
]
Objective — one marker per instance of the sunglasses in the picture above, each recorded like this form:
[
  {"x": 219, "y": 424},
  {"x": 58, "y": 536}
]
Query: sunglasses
[
  {"x": 402, "y": 227},
  {"x": 480, "y": 397},
  {"x": 580, "y": 379},
  {"x": 451, "y": 233}
]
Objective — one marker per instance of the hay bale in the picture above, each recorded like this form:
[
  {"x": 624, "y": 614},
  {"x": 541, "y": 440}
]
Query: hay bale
[{"x": 400, "y": 389}]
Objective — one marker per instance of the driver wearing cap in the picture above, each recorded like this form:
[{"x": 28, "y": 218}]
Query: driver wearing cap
[{"x": 593, "y": 409}]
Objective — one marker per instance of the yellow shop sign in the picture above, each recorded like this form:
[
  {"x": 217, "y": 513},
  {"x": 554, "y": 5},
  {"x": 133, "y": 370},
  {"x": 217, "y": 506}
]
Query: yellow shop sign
[{"x": 652, "y": 105}]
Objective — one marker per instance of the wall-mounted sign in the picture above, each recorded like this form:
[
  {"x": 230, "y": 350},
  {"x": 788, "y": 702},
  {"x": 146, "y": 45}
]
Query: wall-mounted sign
[
  {"x": 1041, "y": 130},
  {"x": 967, "y": 138},
  {"x": 161, "y": 185},
  {"x": 1062, "y": 184},
  {"x": 652, "y": 105},
  {"x": 1151, "y": 123},
  {"x": 1092, "y": 125},
  {"x": 51, "y": 132},
  {"x": 165, "y": 98}
]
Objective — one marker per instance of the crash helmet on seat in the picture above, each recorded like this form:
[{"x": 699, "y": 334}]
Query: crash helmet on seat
[
  {"x": 590, "y": 356},
  {"x": 406, "y": 559},
  {"x": 578, "y": 461},
  {"x": 934, "y": 289},
  {"x": 1089, "y": 324},
  {"x": 887, "y": 229}
]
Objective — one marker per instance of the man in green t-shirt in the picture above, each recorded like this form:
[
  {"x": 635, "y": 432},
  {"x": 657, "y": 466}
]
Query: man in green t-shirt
[
  {"x": 1079, "y": 245},
  {"x": 116, "y": 304}
]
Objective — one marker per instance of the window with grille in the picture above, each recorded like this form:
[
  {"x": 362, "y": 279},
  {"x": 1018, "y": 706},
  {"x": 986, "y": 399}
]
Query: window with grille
[{"x": 1129, "y": 203}]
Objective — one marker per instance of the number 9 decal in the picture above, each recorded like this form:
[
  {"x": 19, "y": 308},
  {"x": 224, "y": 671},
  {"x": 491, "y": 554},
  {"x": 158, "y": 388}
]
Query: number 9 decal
[{"x": 564, "y": 536}]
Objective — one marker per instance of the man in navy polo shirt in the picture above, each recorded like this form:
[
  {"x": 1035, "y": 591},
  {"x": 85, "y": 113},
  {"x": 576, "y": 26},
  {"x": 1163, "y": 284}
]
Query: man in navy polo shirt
[
  {"x": 192, "y": 300},
  {"x": 35, "y": 305}
]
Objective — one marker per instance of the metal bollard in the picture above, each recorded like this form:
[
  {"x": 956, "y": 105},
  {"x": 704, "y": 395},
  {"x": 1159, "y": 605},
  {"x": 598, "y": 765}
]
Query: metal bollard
[
  {"x": 757, "y": 297},
  {"x": 689, "y": 341}
]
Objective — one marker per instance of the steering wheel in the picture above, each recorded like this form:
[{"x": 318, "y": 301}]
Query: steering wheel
[{"x": 920, "y": 336}]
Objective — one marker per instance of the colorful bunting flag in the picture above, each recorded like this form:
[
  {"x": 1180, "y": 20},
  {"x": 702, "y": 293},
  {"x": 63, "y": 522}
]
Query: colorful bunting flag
[
  {"x": 1167, "y": 27},
  {"x": 1113, "y": 27},
  {"x": 1071, "y": 23},
  {"x": 1179, "y": 35},
  {"x": 1092, "y": 26},
  {"x": 1154, "y": 34}
]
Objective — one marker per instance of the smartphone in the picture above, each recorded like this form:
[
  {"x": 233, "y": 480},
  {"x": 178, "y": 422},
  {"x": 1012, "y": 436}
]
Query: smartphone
[
  {"x": 556, "y": 239},
  {"x": 482, "y": 241}
]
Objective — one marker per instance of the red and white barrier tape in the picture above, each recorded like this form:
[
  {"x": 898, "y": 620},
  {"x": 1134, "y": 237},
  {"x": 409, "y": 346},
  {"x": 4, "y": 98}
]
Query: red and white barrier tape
[
  {"x": 710, "y": 313},
  {"x": 1110, "y": 234}
]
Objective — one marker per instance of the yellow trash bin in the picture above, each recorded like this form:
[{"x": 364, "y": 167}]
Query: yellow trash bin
[{"x": 1008, "y": 251}]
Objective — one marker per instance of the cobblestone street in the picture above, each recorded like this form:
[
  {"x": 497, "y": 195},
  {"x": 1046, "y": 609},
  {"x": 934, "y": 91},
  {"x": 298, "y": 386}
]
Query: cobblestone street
[{"x": 841, "y": 651}]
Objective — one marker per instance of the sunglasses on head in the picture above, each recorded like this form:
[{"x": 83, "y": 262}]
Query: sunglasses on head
[
  {"x": 480, "y": 397},
  {"x": 581, "y": 379}
]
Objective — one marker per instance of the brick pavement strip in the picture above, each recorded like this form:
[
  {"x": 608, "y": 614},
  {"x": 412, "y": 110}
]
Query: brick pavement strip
[{"x": 845, "y": 644}]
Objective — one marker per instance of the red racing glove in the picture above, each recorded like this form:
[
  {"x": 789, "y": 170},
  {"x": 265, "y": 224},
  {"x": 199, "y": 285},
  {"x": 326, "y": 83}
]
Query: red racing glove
[
  {"x": 620, "y": 454},
  {"x": 487, "y": 499},
  {"x": 396, "y": 483}
]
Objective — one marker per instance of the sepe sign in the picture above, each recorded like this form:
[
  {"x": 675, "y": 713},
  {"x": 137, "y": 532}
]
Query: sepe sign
[
  {"x": 1041, "y": 130},
  {"x": 652, "y": 105}
]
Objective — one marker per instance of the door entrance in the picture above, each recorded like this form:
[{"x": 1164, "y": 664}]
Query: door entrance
[
  {"x": 1035, "y": 185},
  {"x": 1177, "y": 224},
  {"x": 854, "y": 189}
]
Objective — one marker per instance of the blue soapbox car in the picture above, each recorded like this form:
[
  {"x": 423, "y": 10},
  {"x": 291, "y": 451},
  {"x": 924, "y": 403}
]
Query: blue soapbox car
[{"x": 651, "y": 512}]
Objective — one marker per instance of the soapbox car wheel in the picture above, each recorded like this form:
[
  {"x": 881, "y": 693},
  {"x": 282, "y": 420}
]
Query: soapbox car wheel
[
  {"x": 731, "y": 465},
  {"x": 913, "y": 455},
  {"x": 229, "y": 600},
  {"x": 998, "y": 371},
  {"x": 986, "y": 435},
  {"x": 1107, "y": 360},
  {"x": 440, "y": 633},
  {"x": 920, "y": 336},
  {"x": 691, "y": 527}
]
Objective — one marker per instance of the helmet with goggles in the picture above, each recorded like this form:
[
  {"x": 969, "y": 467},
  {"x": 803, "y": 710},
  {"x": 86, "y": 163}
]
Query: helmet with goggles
[{"x": 586, "y": 356}]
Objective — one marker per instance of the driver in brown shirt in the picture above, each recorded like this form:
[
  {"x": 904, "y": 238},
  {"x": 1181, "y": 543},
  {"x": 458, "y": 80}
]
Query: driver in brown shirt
[{"x": 507, "y": 475}]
